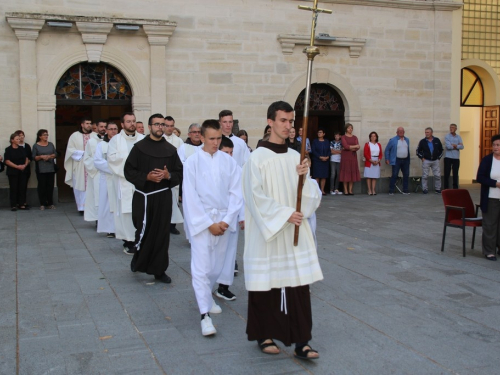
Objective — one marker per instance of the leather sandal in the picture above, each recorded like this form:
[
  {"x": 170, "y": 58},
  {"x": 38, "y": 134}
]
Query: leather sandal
[
  {"x": 264, "y": 345},
  {"x": 304, "y": 354}
]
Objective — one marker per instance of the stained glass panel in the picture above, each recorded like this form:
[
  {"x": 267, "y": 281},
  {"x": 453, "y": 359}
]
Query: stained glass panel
[
  {"x": 322, "y": 98},
  {"x": 93, "y": 82}
]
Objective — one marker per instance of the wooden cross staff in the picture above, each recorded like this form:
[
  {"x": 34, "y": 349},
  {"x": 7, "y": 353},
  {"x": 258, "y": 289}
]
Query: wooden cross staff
[{"x": 311, "y": 53}]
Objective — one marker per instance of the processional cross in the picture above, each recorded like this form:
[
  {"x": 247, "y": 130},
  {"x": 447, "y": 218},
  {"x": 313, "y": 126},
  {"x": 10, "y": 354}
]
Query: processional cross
[{"x": 311, "y": 53}]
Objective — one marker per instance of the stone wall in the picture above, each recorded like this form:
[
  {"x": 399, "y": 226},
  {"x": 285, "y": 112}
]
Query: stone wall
[{"x": 226, "y": 54}]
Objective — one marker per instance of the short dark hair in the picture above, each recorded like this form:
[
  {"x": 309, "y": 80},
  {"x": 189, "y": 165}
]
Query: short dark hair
[
  {"x": 496, "y": 137},
  {"x": 39, "y": 133},
  {"x": 156, "y": 115},
  {"x": 335, "y": 133},
  {"x": 85, "y": 118},
  {"x": 12, "y": 136},
  {"x": 102, "y": 120},
  {"x": 169, "y": 118},
  {"x": 209, "y": 124},
  {"x": 19, "y": 132},
  {"x": 224, "y": 113},
  {"x": 322, "y": 130},
  {"x": 370, "y": 136},
  {"x": 139, "y": 122},
  {"x": 111, "y": 123},
  {"x": 122, "y": 117},
  {"x": 226, "y": 142},
  {"x": 278, "y": 106}
]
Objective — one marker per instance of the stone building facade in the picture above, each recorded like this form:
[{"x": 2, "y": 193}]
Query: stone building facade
[{"x": 393, "y": 62}]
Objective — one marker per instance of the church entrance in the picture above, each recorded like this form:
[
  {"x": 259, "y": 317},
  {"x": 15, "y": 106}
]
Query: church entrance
[
  {"x": 326, "y": 111},
  {"x": 98, "y": 91}
]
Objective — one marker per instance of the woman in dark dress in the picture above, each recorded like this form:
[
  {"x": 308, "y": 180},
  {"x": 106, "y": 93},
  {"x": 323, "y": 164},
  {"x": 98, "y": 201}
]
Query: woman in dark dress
[
  {"x": 292, "y": 142},
  {"x": 27, "y": 150},
  {"x": 320, "y": 151},
  {"x": 44, "y": 154},
  {"x": 16, "y": 162},
  {"x": 349, "y": 168}
]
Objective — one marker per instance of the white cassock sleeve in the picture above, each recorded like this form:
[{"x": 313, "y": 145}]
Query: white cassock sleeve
[
  {"x": 195, "y": 216},
  {"x": 117, "y": 156},
  {"x": 88, "y": 158},
  {"x": 77, "y": 155},
  {"x": 181, "y": 151},
  {"x": 270, "y": 216},
  {"x": 311, "y": 197},
  {"x": 235, "y": 198},
  {"x": 100, "y": 163}
]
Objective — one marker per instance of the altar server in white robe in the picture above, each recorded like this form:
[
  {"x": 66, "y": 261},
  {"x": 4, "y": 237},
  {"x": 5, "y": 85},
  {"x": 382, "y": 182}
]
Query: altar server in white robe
[
  {"x": 168, "y": 134},
  {"x": 226, "y": 277},
  {"x": 107, "y": 191},
  {"x": 118, "y": 150},
  {"x": 76, "y": 175},
  {"x": 240, "y": 152},
  {"x": 93, "y": 175},
  {"x": 211, "y": 201},
  {"x": 277, "y": 273}
]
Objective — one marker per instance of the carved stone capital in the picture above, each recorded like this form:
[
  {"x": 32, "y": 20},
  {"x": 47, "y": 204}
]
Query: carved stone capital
[
  {"x": 26, "y": 29},
  {"x": 94, "y": 35},
  {"x": 141, "y": 103},
  {"x": 289, "y": 41},
  {"x": 46, "y": 102},
  {"x": 158, "y": 35}
]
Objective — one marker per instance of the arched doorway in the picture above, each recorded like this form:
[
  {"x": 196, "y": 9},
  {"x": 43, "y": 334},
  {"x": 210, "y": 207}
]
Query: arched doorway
[
  {"x": 479, "y": 115},
  {"x": 326, "y": 110},
  {"x": 99, "y": 91}
]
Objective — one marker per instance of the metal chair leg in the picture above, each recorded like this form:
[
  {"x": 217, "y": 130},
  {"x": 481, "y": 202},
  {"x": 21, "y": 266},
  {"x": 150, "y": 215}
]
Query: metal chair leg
[
  {"x": 473, "y": 237},
  {"x": 444, "y": 235},
  {"x": 463, "y": 240}
]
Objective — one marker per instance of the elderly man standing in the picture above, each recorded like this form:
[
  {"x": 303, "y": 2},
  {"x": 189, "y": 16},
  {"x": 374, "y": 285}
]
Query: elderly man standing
[
  {"x": 397, "y": 154},
  {"x": 430, "y": 151},
  {"x": 453, "y": 144}
]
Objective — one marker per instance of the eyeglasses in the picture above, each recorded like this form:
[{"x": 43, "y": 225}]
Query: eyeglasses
[
  {"x": 44, "y": 134},
  {"x": 195, "y": 132},
  {"x": 159, "y": 124}
]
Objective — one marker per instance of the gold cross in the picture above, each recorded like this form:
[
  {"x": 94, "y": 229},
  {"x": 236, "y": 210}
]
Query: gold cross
[{"x": 315, "y": 11}]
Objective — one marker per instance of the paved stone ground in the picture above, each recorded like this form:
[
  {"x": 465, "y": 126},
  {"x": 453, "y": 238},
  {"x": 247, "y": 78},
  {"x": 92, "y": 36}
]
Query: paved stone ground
[{"x": 390, "y": 302}]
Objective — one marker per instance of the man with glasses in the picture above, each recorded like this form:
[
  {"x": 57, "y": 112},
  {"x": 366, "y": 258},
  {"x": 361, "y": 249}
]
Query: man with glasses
[
  {"x": 118, "y": 150},
  {"x": 154, "y": 168},
  {"x": 107, "y": 194},
  {"x": 192, "y": 143},
  {"x": 168, "y": 134}
]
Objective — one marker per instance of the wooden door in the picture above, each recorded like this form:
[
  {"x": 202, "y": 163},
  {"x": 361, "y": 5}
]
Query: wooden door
[{"x": 489, "y": 128}]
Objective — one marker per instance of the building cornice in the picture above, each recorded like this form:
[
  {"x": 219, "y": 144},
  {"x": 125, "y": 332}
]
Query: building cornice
[
  {"x": 86, "y": 19},
  {"x": 446, "y": 5},
  {"x": 289, "y": 41}
]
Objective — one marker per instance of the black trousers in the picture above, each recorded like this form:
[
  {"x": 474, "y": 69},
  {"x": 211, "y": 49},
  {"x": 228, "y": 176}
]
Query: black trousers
[
  {"x": 449, "y": 165},
  {"x": 45, "y": 188},
  {"x": 17, "y": 192}
]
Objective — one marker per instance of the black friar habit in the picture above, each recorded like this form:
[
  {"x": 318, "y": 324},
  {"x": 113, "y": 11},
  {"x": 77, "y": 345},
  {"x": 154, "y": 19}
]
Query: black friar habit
[
  {"x": 266, "y": 320},
  {"x": 145, "y": 156}
]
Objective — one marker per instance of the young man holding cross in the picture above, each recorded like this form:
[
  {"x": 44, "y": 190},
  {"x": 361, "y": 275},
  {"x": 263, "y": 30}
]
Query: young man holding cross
[{"x": 277, "y": 273}]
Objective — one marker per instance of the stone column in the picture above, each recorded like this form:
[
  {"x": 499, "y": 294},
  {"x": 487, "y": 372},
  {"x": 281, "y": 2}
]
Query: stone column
[
  {"x": 94, "y": 35},
  {"x": 27, "y": 31},
  {"x": 158, "y": 37}
]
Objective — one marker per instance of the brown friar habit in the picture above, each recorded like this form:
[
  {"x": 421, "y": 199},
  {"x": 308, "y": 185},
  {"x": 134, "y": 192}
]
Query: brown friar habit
[
  {"x": 265, "y": 318},
  {"x": 146, "y": 155}
]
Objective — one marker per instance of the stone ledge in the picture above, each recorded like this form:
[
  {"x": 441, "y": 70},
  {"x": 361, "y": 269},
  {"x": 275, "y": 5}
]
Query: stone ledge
[
  {"x": 68, "y": 18},
  {"x": 448, "y": 5},
  {"x": 289, "y": 41}
]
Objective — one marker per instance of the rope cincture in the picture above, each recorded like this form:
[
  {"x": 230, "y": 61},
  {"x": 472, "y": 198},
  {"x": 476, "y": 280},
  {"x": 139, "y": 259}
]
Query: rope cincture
[
  {"x": 138, "y": 246},
  {"x": 283, "y": 301}
]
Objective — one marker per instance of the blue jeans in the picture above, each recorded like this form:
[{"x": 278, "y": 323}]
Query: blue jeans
[{"x": 404, "y": 166}]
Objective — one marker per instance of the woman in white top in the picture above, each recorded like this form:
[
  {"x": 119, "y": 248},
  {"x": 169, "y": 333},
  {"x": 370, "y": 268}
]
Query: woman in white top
[{"x": 373, "y": 155}]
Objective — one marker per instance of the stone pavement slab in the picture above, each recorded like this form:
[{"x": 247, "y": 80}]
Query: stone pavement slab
[{"x": 390, "y": 301}]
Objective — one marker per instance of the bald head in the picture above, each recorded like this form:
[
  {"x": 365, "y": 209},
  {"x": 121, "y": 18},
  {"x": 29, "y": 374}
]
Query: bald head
[{"x": 400, "y": 132}]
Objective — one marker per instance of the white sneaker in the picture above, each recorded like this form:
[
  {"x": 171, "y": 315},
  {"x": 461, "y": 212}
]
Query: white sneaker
[
  {"x": 215, "y": 308},
  {"x": 207, "y": 328},
  {"x": 333, "y": 193},
  {"x": 338, "y": 192}
]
